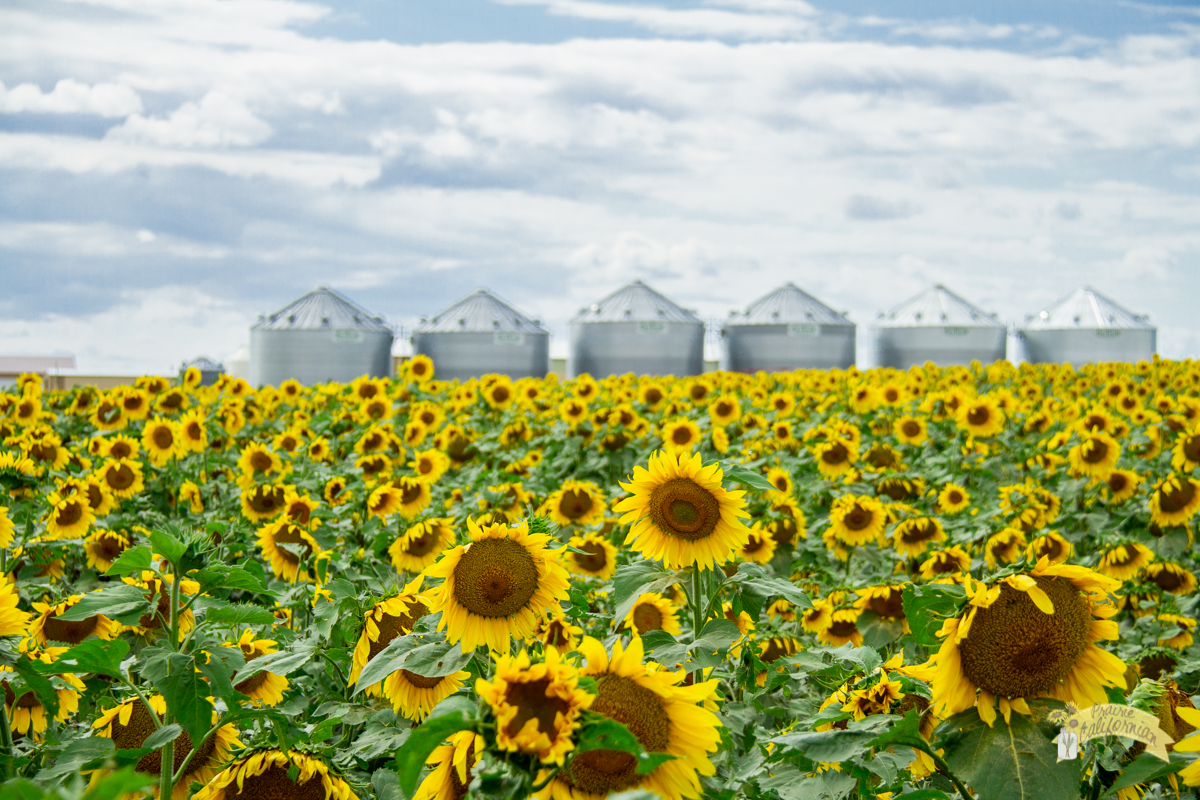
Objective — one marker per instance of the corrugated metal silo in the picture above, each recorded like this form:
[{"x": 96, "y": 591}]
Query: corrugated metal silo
[
  {"x": 635, "y": 329},
  {"x": 210, "y": 370},
  {"x": 321, "y": 337},
  {"x": 939, "y": 326},
  {"x": 1086, "y": 327},
  {"x": 786, "y": 330},
  {"x": 481, "y": 334}
]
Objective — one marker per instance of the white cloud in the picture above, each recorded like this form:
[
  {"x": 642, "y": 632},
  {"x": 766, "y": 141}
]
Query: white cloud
[
  {"x": 71, "y": 97},
  {"x": 690, "y": 21},
  {"x": 218, "y": 120}
]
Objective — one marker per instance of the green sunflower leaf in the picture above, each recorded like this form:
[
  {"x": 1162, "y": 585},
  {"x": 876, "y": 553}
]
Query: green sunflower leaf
[
  {"x": 283, "y": 662},
  {"x": 135, "y": 559},
  {"x": 925, "y": 607},
  {"x": 601, "y": 733},
  {"x": 428, "y": 655},
  {"x": 96, "y": 656},
  {"x": 638, "y": 578},
  {"x": 746, "y": 477},
  {"x": 122, "y": 602},
  {"x": 1146, "y": 767},
  {"x": 455, "y": 713}
]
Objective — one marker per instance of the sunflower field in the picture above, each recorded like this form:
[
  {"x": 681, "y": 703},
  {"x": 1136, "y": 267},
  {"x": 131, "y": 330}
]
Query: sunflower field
[{"x": 807, "y": 585}]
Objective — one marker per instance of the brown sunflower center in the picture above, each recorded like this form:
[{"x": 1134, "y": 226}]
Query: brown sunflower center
[
  {"x": 1014, "y": 650},
  {"x": 420, "y": 681},
  {"x": 44, "y": 451},
  {"x": 57, "y": 630},
  {"x": 495, "y": 578},
  {"x": 652, "y": 396},
  {"x": 163, "y": 437},
  {"x": 724, "y": 408},
  {"x": 837, "y": 454},
  {"x": 639, "y": 709},
  {"x": 1168, "y": 579},
  {"x": 291, "y": 535},
  {"x": 881, "y": 457},
  {"x": 120, "y": 477},
  {"x": 843, "y": 629},
  {"x": 300, "y": 512},
  {"x": 777, "y": 649},
  {"x": 531, "y": 701},
  {"x": 918, "y": 530},
  {"x": 858, "y": 518},
  {"x": 896, "y": 488},
  {"x": 95, "y": 496},
  {"x": 1117, "y": 482},
  {"x": 1096, "y": 453},
  {"x": 392, "y": 626},
  {"x": 500, "y": 394},
  {"x": 681, "y": 435},
  {"x": 954, "y": 497},
  {"x": 410, "y": 493},
  {"x": 979, "y": 415},
  {"x": 1172, "y": 499},
  {"x": 889, "y": 605},
  {"x": 593, "y": 559},
  {"x": 647, "y": 617},
  {"x": 109, "y": 547},
  {"x": 254, "y": 682},
  {"x": 1050, "y": 547},
  {"x": 683, "y": 508},
  {"x": 194, "y": 431},
  {"x": 421, "y": 544},
  {"x": 266, "y": 499},
  {"x": 141, "y": 725},
  {"x": 1155, "y": 665},
  {"x": 784, "y": 531},
  {"x": 69, "y": 514},
  {"x": 575, "y": 504},
  {"x": 274, "y": 784},
  {"x": 753, "y": 544},
  {"x": 260, "y": 461}
]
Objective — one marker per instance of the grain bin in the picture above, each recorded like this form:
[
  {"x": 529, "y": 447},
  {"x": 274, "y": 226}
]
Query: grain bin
[
  {"x": 635, "y": 329},
  {"x": 939, "y": 326},
  {"x": 321, "y": 337},
  {"x": 786, "y": 330},
  {"x": 481, "y": 334},
  {"x": 210, "y": 371},
  {"x": 1086, "y": 327}
]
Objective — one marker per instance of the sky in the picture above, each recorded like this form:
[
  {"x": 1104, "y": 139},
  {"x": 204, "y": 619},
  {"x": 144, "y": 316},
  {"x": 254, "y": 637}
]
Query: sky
[{"x": 171, "y": 170}]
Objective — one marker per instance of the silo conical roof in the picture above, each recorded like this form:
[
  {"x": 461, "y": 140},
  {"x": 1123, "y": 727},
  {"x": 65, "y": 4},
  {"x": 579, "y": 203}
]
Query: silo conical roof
[
  {"x": 479, "y": 312},
  {"x": 322, "y": 308},
  {"x": 788, "y": 304},
  {"x": 1086, "y": 308},
  {"x": 937, "y": 307},
  {"x": 206, "y": 364},
  {"x": 636, "y": 302}
]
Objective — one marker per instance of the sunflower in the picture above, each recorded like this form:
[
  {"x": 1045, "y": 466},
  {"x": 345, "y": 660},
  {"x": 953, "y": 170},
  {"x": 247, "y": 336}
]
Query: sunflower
[
  {"x": 1185, "y": 455},
  {"x": 536, "y": 706},
  {"x": 70, "y": 517},
  {"x": 782, "y": 610},
  {"x": 1124, "y": 561},
  {"x": 1051, "y": 545},
  {"x": 781, "y": 479},
  {"x": 1176, "y": 499},
  {"x": 452, "y": 764},
  {"x": 981, "y": 417},
  {"x": 665, "y": 716},
  {"x": 387, "y": 619},
  {"x": 262, "y": 502},
  {"x": 497, "y": 586},
  {"x": 6, "y": 528},
  {"x": 910, "y": 430},
  {"x": 132, "y": 722},
  {"x": 420, "y": 369},
  {"x": 1095, "y": 456},
  {"x": 680, "y": 435},
  {"x": 268, "y": 774},
  {"x": 108, "y": 415},
  {"x": 575, "y": 503},
  {"x": 1003, "y": 547},
  {"x": 414, "y": 495},
  {"x": 26, "y": 714},
  {"x": 1028, "y": 635},
  {"x": 557, "y": 632},
  {"x": 886, "y": 602},
  {"x": 598, "y": 558},
  {"x": 835, "y": 457},
  {"x": 680, "y": 513},
  {"x": 158, "y": 594},
  {"x": 122, "y": 476},
  {"x": 946, "y": 562},
  {"x": 1121, "y": 485},
  {"x": 855, "y": 520},
  {"x": 724, "y": 410},
  {"x": 103, "y": 548},
  {"x": 842, "y": 628},
  {"x": 953, "y": 499},
  {"x": 189, "y": 493},
  {"x": 653, "y": 612},
  {"x": 284, "y": 563},
  {"x": 1171, "y": 577},
  {"x": 374, "y": 466},
  {"x": 421, "y": 544},
  {"x": 429, "y": 465},
  {"x": 1183, "y": 638},
  {"x": 263, "y": 688},
  {"x": 335, "y": 491},
  {"x": 499, "y": 395},
  {"x": 913, "y": 536},
  {"x": 46, "y": 627},
  {"x": 13, "y": 621},
  {"x": 759, "y": 547},
  {"x": 161, "y": 440},
  {"x": 193, "y": 435},
  {"x": 384, "y": 501}
]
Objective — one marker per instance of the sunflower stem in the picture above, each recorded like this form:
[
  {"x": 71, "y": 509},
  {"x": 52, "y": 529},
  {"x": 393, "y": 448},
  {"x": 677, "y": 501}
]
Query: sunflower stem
[
  {"x": 697, "y": 614},
  {"x": 7, "y": 742},
  {"x": 166, "y": 776}
]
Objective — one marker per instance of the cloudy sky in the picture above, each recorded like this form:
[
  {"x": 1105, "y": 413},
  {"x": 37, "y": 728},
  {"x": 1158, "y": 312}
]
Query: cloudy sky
[{"x": 170, "y": 170}]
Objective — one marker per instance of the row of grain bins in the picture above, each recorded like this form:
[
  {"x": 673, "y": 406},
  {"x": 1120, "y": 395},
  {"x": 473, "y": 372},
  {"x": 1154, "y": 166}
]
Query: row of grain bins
[{"x": 324, "y": 336}]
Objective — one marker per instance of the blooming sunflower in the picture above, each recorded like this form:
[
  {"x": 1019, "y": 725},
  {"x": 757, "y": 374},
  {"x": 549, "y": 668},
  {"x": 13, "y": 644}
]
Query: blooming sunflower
[
  {"x": 6, "y": 528},
  {"x": 886, "y": 602},
  {"x": 981, "y": 417},
  {"x": 913, "y": 536},
  {"x": 910, "y": 430},
  {"x": 267, "y": 774},
  {"x": 724, "y": 410},
  {"x": 26, "y": 714},
  {"x": 598, "y": 558},
  {"x": 1003, "y": 547},
  {"x": 452, "y": 763},
  {"x": 429, "y": 465},
  {"x": 557, "y": 632},
  {"x": 953, "y": 499},
  {"x": 335, "y": 491},
  {"x": 537, "y": 706},
  {"x": 122, "y": 476},
  {"x": 680, "y": 436},
  {"x": 46, "y": 627},
  {"x": 1176, "y": 499},
  {"x": 131, "y": 723},
  {"x": 653, "y": 612},
  {"x": 665, "y": 716},
  {"x": 384, "y": 501},
  {"x": 13, "y": 621},
  {"x": 759, "y": 547},
  {"x": 1121, "y": 485},
  {"x": 161, "y": 440},
  {"x": 263, "y": 502},
  {"x": 1028, "y": 635},
  {"x": 855, "y": 520},
  {"x": 284, "y": 563},
  {"x": 497, "y": 586},
  {"x": 1182, "y": 639},
  {"x": 103, "y": 548},
  {"x": 946, "y": 562},
  {"x": 263, "y": 688},
  {"x": 835, "y": 457},
  {"x": 70, "y": 516},
  {"x": 421, "y": 544},
  {"x": 842, "y": 628},
  {"x": 387, "y": 619},
  {"x": 1124, "y": 561},
  {"x": 575, "y": 503},
  {"x": 1095, "y": 456},
  {"x": 680, "y": 513}
]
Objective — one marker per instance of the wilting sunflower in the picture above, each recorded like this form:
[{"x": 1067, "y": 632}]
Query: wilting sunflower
[
  {"x": 886, "y": 602},
  {"x": 910, "y": 430},
  {"x": 1095, "y": 456},
  {"x": 263, "y": 502},
  {"x": 46, "y": 627},
  {"x": 1028, "y": 635},
  {"x": 680, "y": 513},
  {"x": 598, "y": 559},
  {"x": 284, "y": 563},
  {"x": 575, "y": 503},
  {"x": 103, "y": 548},
  {"x": 189, "y": 494},
  {"x": 266, "y": 774},
  {"x": 1182, "y": 639},
  {"x": 842, "y": 628},
  {"x": 497, "y": 586},
  {"x": 70, "y": 517},
  {"x": 131, "y": 723},
  {"x": 13, "y": 621},
  {"x": 558, "y": 632},
  {"x": 980, "y": 417},
  {"x": 536, "y": 706},
  {"x": 653, "y": 612},
  {"x": 855, "y": 520},
  {"x": 759, "y": 547},
  {"x": 1051, "y": 545},
  {"x": 263, "y": 688},
  {"x": 953, "y": 499},
  {"x": 1176, "y": 499},
  {"x": 664, "y": 716},
  {"x": 942, "y": 563},
  {"x": 421, "y": 544},
  {"x": 913, "y": 536},
  {"x": 1003, "y": 547},
  {"x": 26, "y": 714},
  {"x": 1124, "y": 561},
  {"x": 452, "y": 764},
  {"x": 1171, "y": 577}
]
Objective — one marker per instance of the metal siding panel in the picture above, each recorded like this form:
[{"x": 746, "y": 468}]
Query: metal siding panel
[
  {"x": 462, "y": 356},
  {"x": 614, "y": 348},
  {"x": 1086, "y": 346},
  {"x": 751, "y": 348},
  {"x": 902, "y": 348},
  {"x": 312, "y": 356}
]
